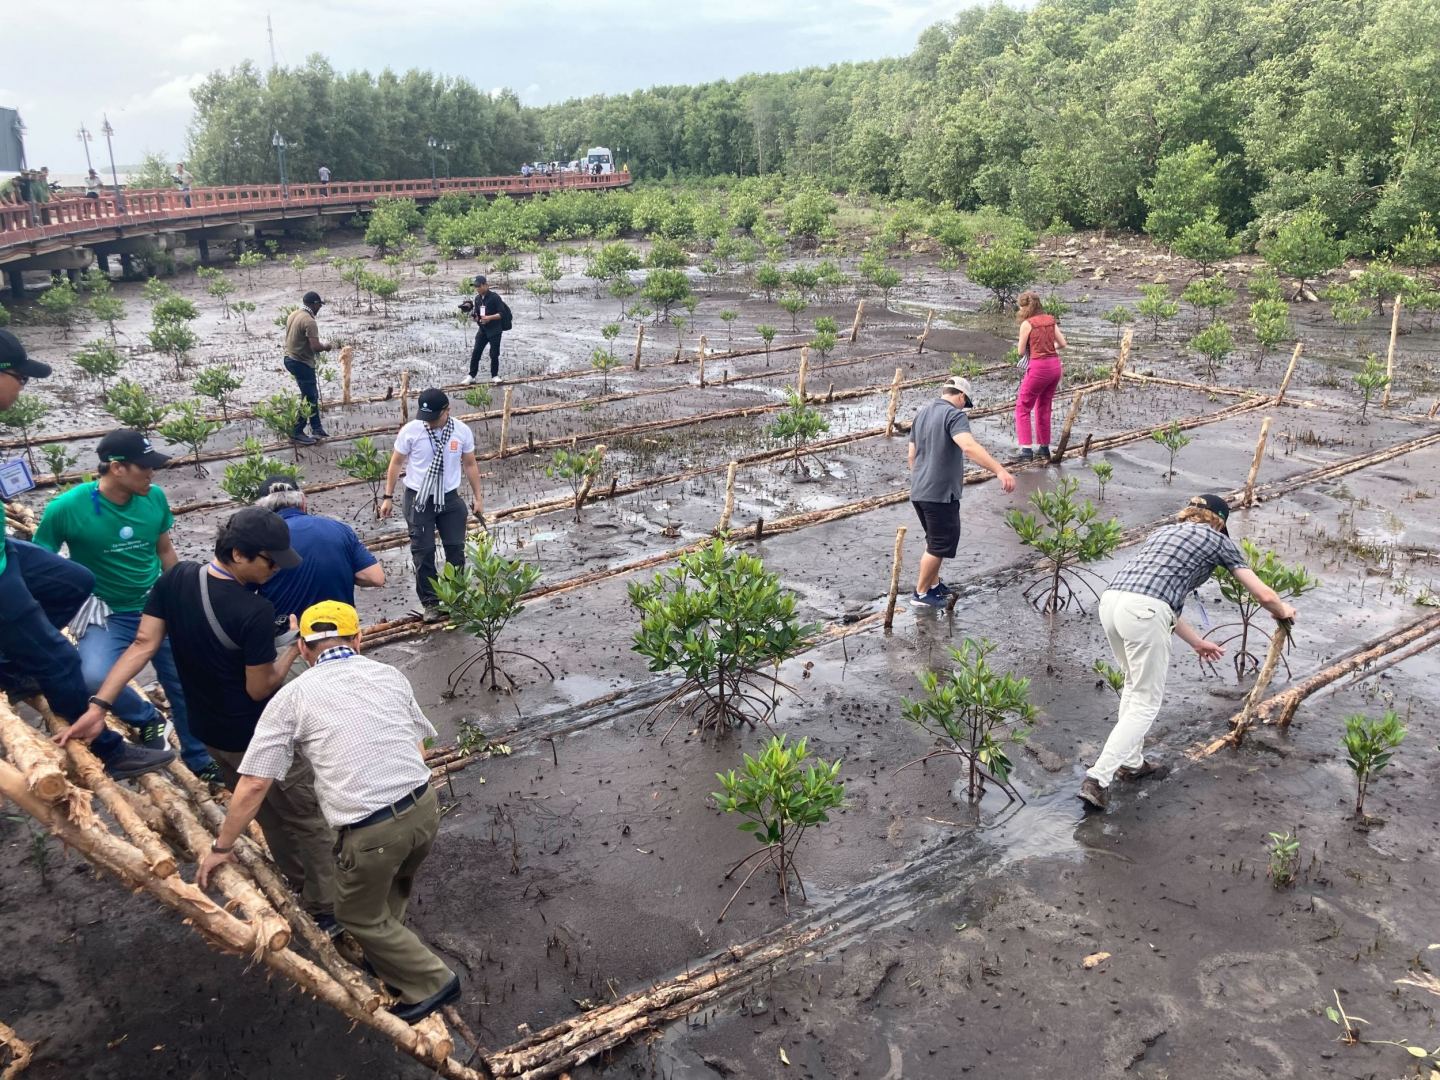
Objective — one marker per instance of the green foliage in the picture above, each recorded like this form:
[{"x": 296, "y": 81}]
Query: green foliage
[
  {"x": 720, "y": 619},
  {"x": 578, "y": 468},
  {"x": 767, "y": 335},
  {"x": 1174, "y": 440},
  {"x": 243, "y": 308},
  {"x": 1370, "y": 380},
  {"x": 874, "y": 270},
  {"x": 806, "y": 215},
  {"x": 728, "y": 317},
  {"x": 604, "y": 361},
  {"x": 188, "y": 427},
  {"x": 973, "y": 711},
  {"x": 131, "y": 405},
  {"x": 170, "y": 332},
  {"x": 793, "y": 304},
  {"x": 1379, "y": 282},
  {"x": 392, "y": 225},
  {"x": 283, "y": 413},
  {"x": 1156, "y": 305},
  {"x": 1284, "y": 858},
  {"x": 99, "y": 360},
  {"x": 781, "y": 794},
  {"x": 248, "y": 261},
  {"x": 1103, "y": 471},
  {"x": 1002, "y": 268},
  {"x": 103, "y": 303},
  {"x": 218, "y": 286},
  {"x": 1270, "y": 322},
  {"x": 1110, "y": 675},
  {"x": 24, "y": 416},
  {"x": 367, "y": 463},
  {"x": 478, "y": 397},
  {"x": 1289, "y": 581},
  {"x": 1186, "y": 188},
  {"x": 1303, "y": 248},
  {"x": 666, "y": 255},
  {"x": 1214, "y": 343},
  {"x": 243, "y": 478},
  {"x": 1208, "y": 295},
  {"x": 1119, "y": 316},
  {"x": 823, "y": 342},
  {"x": 1067, "y": 533},
  {"x": 61, "y": 305},
  {"x": 1262, "y": 284},
  {"x": 1420, "y": 246},
  {"x": 481, "y": 598},
  {"x": 796, "y": 425},
  {"x": 664, "y": 288},
  {"x": 1369, "y": 746},
  {"x": 218, "y": 382},
  {"x": 768, "y": 278},
  {"x": 1205, "y": 241}
]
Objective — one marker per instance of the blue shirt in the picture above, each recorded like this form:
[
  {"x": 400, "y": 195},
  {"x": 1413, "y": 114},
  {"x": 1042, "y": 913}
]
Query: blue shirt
[{"x": 332, "y": 555}]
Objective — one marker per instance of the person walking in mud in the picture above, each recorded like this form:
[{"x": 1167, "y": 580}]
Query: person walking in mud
[
  {"x": 1141, "y": 609},
  {"x": 940, "y": 440},
  {"x": 302, "y": 343},
  {"x": 492, "y": 317},
  {"x": 1039, "y": 346}
]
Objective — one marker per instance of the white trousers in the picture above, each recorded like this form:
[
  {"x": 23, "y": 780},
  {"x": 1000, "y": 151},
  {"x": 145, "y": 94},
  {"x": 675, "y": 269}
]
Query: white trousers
[{"x": 1139, "y": 629}]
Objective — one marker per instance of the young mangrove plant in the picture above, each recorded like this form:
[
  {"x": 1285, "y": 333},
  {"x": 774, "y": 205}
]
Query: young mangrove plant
[
  {"x": 1110, "y": 675},
  {"x": 793, "y": 304},
  {"x": 1155, "y": 304},
  {"x": 767, "y": 335},
  {"x": 58, "y": 460},
  {"x": 1103, "y": 471},
  {"x": 366, "y": 462},
  {"x": 242, "y": 479},
  {"x": 284, "y": 414},
  {"x": 189, "y": 428},
  {"x": 170, "y": 331},
  {"x": 795, "y": 426},
  {"x": 1214, "y": 344},
  {"x": 1174, "y": 440},
  {"x": 218, "y": 383},
  {"x": 781, "y": 793},
  {"x": 1067, "y": 533},
  {"x": 604, "y": 361},
  {"x": 972, "y": 711},
  {"x": 1369, "y": 745},
  {"x": 1370, "y": 380},
  {"x": 25, "y": 416},
  {"x": 726, "y": 625},
  {"x": 99, "y": 360},
  {"x": 1284, "y": 852},
  {"x": 578, "y": 468},
  {"x": 131, "y": 404},
  {"x": 481, "y": 598},
  {"x": 1288, "y": 580}
]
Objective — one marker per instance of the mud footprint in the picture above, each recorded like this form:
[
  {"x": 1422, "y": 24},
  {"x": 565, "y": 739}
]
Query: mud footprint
[{"x": 1258, "y": 986}]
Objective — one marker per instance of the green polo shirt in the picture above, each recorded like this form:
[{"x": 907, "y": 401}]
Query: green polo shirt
[{"x": 115, "y": 543}]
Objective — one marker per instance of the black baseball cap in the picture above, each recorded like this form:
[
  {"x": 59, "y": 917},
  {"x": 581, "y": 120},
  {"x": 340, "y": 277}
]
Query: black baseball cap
[
  {"x": 312, "y": 298},
  {"x": 478, "y": 279},
  {"x": 432, "y": 403},
  {"x": 257, "y": 529},
  {"x": 276, "y": 483},
  {"x": 131, "y": 447},
  {"x": 1217, "y": 506},
  {"x": 15, "y": 361}
]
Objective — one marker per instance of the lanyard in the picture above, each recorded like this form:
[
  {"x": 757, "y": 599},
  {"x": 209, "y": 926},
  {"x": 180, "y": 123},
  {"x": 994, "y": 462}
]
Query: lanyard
[{"x": 221, "y": 571}]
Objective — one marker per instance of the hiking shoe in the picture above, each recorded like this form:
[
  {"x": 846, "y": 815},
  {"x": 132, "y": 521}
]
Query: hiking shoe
[
  {"x": 493, "y": 379},
  {"x": 1024, "y": 457},
  {"x": 131, "y": 760},
  {"x": 1042, "y": 454},
  {"x": 302, "y": 439},
  {"x": 473, "y": 379},
  {"x": 931, "y": 599},
  {"x": 319, "y": 433},
  {"x": 419, "y": 1010},
  {"x": 1148, "y": 770},
  {"x": 210, "y": 774},
  {"x": 329, "y": 925},
  {"x": 152, "y": 736},
  {"x": 1093, "y": 795},
  {"x": 432, "y": 614}
]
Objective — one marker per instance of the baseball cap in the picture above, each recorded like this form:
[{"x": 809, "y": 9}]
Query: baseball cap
[
  {"x": 432, "y": 403},
  {"x": 15, "y": 361},
  {"x": 264, "y": 531},
  {"x": 312, "y": 297},
  {"x": 955, "y": 384},
  {"x": 329, "y": 618},
  {"x": 273, "y": 484},
  {"x": 131, "y": 447},
  {"x": 478, "y": 279},
  {"x": 1217, "y": 506}
]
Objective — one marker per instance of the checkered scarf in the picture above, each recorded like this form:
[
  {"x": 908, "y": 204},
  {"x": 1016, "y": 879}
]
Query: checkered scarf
[{"x": 432, "y": 488}]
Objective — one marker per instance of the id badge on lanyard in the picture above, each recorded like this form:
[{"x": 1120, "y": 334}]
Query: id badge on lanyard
[{"x": 15, "y": 478}]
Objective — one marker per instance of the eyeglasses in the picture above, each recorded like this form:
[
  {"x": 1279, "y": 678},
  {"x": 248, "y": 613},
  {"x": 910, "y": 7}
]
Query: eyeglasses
[
  {"x": 21, "y": 379},
  {"x": 271, "y": 563}
]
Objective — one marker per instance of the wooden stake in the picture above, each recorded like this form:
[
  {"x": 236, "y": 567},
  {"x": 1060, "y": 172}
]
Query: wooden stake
[
  {"x": 702, "y": 367},
  {"x": 1121, "y": 360},
  {"x": 404, "y": 396},
  {"x": 894, "y": 403},
  {"x": 1085, "y": 449},
  {"x": 1390, "y": 355},
  {"x": 703, "y": 349},
  {"x": 924, "y": 334},
  {"x": 1435, "y": 408},
  {"x": 505, "y": 421},
  {"x": 1262, "y": 680},
  {"x": 347, "y": 356},
  {"x": 729, "y": 497},
  {"x": 895, "y": 576},
  {"x": 804, "y": 370},
  {"x": 1074, "y": 412},
  {"x": 1289, "y": 374},
  {"x": 1248, "y": 498},
  {"x": 639, "y": 341},
  {"x": 855, "y": 326}
]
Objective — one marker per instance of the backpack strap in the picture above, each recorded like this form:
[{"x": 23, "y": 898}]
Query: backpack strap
[{"x": 226, "y": 641}]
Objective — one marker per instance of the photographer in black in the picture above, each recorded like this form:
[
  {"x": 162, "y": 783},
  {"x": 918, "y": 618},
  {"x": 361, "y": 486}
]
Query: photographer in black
[{"x": 492, "y": 316}]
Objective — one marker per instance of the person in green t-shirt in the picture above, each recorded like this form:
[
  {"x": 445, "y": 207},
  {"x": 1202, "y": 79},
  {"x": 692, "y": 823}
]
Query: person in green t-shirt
[{"x": 118, "y": 527}]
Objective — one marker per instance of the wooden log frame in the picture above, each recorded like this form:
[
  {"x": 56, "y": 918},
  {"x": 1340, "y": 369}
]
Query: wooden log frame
[
  {"x": 20, "y": 1052},
  {"x": 40, "y": 760}
]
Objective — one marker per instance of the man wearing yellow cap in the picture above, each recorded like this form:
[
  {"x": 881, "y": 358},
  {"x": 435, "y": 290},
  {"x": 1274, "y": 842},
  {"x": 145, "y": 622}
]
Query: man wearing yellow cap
[{"x": 357, "y": 722}]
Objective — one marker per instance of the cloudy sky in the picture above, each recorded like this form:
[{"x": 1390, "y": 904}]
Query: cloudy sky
[{"x": 138, "y": 59}]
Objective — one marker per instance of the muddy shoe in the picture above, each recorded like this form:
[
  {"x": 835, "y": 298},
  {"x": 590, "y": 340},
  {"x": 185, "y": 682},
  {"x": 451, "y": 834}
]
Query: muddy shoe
[
  {"x": 1042, "y": 455},
  {"x": 132, "y": 760},
  {"x": 1024, "y": 457},
  {"x": 932, "y": 598},
  {"x": 319, "y": 433},
  {"x": 329, "y": 925},
  {"x": 413, "y": 1013},
  {"x": 1148, "y": 770},
  {"x": 301, "y": 439},
  {"x": 1093, "y": 795},
  {"x": 432, "y": 614}
]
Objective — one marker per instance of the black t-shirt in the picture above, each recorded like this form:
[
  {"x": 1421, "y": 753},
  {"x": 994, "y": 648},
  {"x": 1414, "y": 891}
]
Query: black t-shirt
[
  {"x": 222, "y": 714},
  {"x": 489, "y": 304}
]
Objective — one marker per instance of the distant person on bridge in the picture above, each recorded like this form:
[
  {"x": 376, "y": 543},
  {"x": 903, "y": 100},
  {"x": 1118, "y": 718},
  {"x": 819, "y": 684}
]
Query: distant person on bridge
[
  {"x": 492, "y": 316},
  {"x": 92, "y": 184},
  {"x": 302, "y": 342},
  {"x": 184, "y": 181},
  {"x": 324, "y": 180}
]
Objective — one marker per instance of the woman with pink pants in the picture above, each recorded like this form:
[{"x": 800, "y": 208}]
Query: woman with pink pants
[{"x": 1040, "y": 340}]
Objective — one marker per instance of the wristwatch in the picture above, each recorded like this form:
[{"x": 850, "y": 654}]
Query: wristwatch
[{"x": 216, "y": 849}]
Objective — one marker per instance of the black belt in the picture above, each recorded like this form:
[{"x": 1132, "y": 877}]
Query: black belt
[{"x": 395, "y": 809}]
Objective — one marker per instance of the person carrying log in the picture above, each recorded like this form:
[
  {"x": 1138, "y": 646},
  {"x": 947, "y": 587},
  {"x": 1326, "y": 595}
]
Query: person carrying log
[
  {"x": 1142, "y": 608},
  {"x": 358, "y": 724}
]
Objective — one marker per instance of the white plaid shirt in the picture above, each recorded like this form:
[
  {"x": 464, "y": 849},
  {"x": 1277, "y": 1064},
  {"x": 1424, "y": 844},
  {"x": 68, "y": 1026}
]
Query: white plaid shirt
[
  {"x": 1176, "y": 560},
  {"x": 357, "y": 722}
]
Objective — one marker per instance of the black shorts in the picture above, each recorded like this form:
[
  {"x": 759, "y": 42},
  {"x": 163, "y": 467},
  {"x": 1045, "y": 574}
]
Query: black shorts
[{"x": 941, "y": 521}]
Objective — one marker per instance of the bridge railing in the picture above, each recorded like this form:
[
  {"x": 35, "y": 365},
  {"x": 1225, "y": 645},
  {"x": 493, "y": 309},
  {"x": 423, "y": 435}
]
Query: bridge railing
[{"x": 75, "y": 216}]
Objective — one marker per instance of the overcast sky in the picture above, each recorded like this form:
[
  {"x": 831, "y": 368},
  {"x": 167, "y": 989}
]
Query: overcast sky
[{"x": 137, "y": 60}]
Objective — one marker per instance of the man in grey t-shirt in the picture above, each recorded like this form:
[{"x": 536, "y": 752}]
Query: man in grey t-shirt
[{"x": 939, "y": 440}]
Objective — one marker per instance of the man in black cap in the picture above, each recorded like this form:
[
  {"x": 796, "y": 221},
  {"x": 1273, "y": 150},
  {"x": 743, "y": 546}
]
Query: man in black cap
[
  {"x": 1141, "y": 609},
  {"x": 223, "y": 636},
  {"x": 40, "y": 593},
  {"x": 302, "y": 343},
  {"x": 433, "y": 451},
  {"x": 491, "y": 315}
]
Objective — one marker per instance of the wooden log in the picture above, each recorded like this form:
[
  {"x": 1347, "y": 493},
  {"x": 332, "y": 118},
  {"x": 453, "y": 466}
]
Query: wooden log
[
  {"x": 404, "y": 396},
  {"x": 804, "y": 371},
  {"x": 1278, "y": 640},
  {"x": 855, "y": 326},
  {"x": 895, "y": 561},
  {"x": 1248, "y": 498},
  {"x": 729, "y": 498},
  {"x": 40, "y": 760},
  {"x": 639, "y": 342},
  {"x": 894, "y": 405},
  {"x": 703, "y": 349},
  {"x": 1390, "y": 353},
  {"x": 20, "y": 1052},
  {"x": 347, "y": 358},
  {"x": 505, "y": 421},
  {"x": 1075, "y": 403},
  {"x": 1122, "y": 359},
  {"x": 1289, "y": 373},
  {"x": 1085, "y": 449},
  {"x": 925, "y": 334},
  {"x": 21, "y": 520}
]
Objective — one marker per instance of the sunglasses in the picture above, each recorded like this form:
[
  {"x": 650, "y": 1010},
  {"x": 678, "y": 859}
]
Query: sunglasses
[
  {"x": 21, "y": 379},
  {"x": 271, "y": 563}
]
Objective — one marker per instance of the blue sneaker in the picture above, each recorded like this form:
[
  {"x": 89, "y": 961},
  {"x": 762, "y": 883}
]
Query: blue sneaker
[{"x": 933, "y": 598}]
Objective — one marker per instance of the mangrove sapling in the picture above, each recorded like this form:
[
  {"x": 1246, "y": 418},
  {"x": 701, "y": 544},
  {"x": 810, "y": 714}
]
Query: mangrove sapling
[
  {"x": 1214, "y": 344},
  {"x": 1370, "y": 380},
  {"x": 218, "y": 383},
  {"x": 105, "y": 305},
  {"x": 1110, "y": 675},
  {"x": 780, "y": 793},
  {"x": 622, "y": 288},
  {"x": 767, "y": 335},
  {"x": 1103, "y": 471},
  {"x": 823, "y": 342},
  {"x": 793, "y": 304},
  {"x": 1284, "y": 852},
  {"x": 1205, "y": 241},
  {"x": 481, "y": 598},
  {"x": 768, "y": 278},
  {"x": 1119, "y": 317},
  {"x": 478, "y": 397},
  {"x": 1289, "y": 582},
  {"x": 1002, "y": 267},
  {"x": 795, "y": 426},
  {"x": 725, "y": 623},
  {"x": 62, "y": 306},
  {"x": 99, "y": 360},
  {"x": 367, "y": 462},
  {"x": 24, "y": 416},
  {"x": 188, "y": 427},
  {"x": 1174, "y": 440},
  {"x": 218, "y": 286},
  {"x": 604, "y": 361},
  {"x": 248, "y": 261},
  {"x": 243, "y": 308},
  {"x": 1155, "y": 304},
  {"x": 1067, "y": 533},
  {"x": 1270, "y": 322},
  {"x": 284, "y": 414},
  {"x": 728, "y": 317},
  {"x": 971, "y": 711},
  {"x": 1303, "y": 248},
  {"x": 578, "y": 468},
  {"x": 243, "y": 479},
  {"x": 1208, "y": 295},
  {"x": 1369, "y": 745},
  {"x": 170, "y": 331},
  {"x": 665, "y": 288},
  {"x": 539, "y": 288},
  {"x": 58, "y": 459},
  {"x": 131, "y": 404}
]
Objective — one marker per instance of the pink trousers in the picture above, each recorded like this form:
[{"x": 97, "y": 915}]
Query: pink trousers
[{"x": 1037, "y": 393}]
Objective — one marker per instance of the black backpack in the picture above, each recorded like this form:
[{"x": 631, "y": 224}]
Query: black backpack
[{"x": 506, "y": 319}]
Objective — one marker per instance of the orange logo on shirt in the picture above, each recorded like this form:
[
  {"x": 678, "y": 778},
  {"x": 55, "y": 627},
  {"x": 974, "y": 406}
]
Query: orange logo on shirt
[{"x": 454, "y": 445}]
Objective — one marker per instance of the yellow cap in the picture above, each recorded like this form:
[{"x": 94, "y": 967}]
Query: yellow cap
[{"x": 327, "y": 619}]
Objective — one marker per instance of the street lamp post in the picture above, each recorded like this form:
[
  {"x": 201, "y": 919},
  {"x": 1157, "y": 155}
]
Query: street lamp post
[
  {"x": 445, "y": 149},
  {"x": 432, "y": 142},
  {"x": 278, "y": 142},
  {"x": 84, "y": 136},
  {"x": 107, "y": 131}
]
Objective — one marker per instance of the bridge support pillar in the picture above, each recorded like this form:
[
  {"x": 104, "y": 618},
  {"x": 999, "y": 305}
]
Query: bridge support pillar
[
  {"x": 203, "y": 246},
  {"x": 127, "y": 265},
  {"x": 16, "y": 280}
]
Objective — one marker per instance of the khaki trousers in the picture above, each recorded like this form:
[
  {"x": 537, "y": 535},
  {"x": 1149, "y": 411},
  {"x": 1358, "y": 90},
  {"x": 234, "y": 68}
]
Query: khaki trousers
[
  {"x": 301, "y": 842},
  {"x": 376, "y": 867},
  {"x": 1139, "y": 629}
]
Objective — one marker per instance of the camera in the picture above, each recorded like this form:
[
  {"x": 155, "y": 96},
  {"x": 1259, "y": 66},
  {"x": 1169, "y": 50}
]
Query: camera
[{"x": 467, "y": 306}]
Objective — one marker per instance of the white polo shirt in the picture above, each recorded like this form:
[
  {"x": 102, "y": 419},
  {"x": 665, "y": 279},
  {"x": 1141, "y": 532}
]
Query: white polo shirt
[{"x": 415, "y": 443}]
